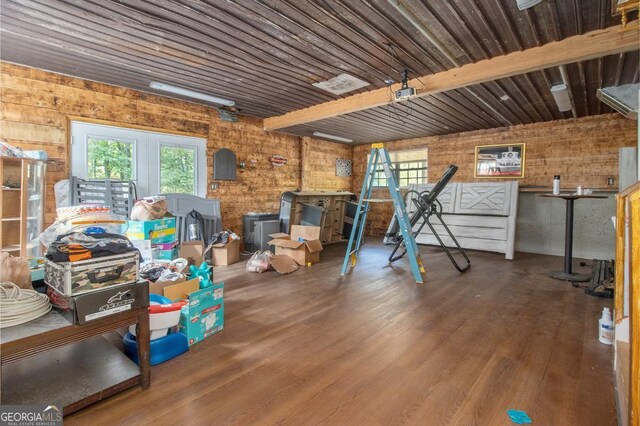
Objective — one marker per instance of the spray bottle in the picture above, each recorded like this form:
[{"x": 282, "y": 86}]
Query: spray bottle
[{"x": 605, "y": 327}]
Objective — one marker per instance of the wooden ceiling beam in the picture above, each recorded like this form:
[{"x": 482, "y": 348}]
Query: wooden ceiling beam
[{"x": 594, "y": 44}]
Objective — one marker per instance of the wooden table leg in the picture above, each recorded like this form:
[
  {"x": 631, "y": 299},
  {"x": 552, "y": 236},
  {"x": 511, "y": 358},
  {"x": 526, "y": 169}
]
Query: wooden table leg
[{"x": 142, "y": 336}]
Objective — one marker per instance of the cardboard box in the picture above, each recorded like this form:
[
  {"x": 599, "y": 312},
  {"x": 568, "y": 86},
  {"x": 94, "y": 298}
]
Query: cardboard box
[
  {"x": 158, "y": 286},
  {"x": 193, "y": 251},
  {"x": 203, "y": 316},
  {"x": 147, "y": 251},
  {"x": 167, "y": 246},
  {"x": 166, "y": 254},
  {"x": 101, "y": 303},
  {"x": 157, "y": 231},
  {"x": 226, "y": 254},
  {"x": 181, "y": 290},
  {"x": 303, "y": 245}
]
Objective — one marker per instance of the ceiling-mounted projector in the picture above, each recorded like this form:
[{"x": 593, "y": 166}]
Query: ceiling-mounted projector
[
  {"x": 405, "y": 91},
  {"x": 526, "y": 4}
]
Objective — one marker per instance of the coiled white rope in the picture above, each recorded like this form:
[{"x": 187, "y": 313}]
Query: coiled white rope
[{"x": 18, "y": 305}]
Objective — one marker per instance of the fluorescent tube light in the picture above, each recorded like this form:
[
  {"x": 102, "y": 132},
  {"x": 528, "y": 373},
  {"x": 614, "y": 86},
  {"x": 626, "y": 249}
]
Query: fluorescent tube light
[
  {"x": 190, "y": 93},
  {"x": 561, "y": 96},
  {"x": 623, "y": 99},
  {"x": 335, "y": 138}
]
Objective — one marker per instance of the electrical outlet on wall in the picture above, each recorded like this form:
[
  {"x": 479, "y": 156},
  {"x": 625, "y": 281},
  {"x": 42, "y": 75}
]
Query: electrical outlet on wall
[{"x": 215, "y": 186}]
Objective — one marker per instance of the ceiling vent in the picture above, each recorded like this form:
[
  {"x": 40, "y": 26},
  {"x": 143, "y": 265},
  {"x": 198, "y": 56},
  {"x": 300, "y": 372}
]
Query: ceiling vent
[
  {"x": 340, "y": 84},
  {"x": 623, "y": 99}
]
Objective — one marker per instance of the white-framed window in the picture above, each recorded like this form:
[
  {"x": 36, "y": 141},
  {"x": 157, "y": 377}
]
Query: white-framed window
[
  {"x": 156, "y": 162},
  {"x": 409, "y": 167}
]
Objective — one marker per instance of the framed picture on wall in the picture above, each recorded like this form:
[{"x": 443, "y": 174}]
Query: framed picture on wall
[{"x": 499, "y": 161}]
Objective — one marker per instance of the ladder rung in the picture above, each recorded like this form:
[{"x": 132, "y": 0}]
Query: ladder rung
[{"x": 378, "y": 200}]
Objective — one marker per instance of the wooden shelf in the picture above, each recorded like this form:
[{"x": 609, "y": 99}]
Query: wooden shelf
[
  {"x": 14, "y": 247},
  {"x": 87, "y": 371},
  {"x": 50, "y": 360}
]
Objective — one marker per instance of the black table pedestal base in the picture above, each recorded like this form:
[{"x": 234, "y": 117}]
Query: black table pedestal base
[{"x": 560, "y": 275}]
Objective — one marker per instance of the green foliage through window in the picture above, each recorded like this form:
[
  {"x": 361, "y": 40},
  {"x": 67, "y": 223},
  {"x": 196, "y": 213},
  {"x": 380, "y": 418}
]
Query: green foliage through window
[
  {"x": 177, "y": 169},
  {"x": 110, "y": 159}
]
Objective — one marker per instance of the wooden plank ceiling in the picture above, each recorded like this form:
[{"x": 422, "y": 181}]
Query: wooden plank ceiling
[{"x": 265, "y": 54}]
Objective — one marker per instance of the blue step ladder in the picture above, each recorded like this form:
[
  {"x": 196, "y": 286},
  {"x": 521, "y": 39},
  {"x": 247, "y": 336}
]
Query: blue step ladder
[{"x": 380, "y": 156}]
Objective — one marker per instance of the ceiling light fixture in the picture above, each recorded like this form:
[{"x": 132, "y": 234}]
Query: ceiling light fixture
[
  {"x": 526, "y": 4},
  {"x": 335, "y": 138},
  {"x": 561, "y": 95},
  {"x": 190, "y": 93},
  {"x": 565, "y": 80}
]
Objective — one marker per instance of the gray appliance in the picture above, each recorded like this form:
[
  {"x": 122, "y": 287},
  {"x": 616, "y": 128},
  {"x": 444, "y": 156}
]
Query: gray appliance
[
  {"x": 261, "y": 233},
  {"x": 248, "y": 227},
  {"x": 312, "y": 215},
  {"x": 287, "y": 200}
]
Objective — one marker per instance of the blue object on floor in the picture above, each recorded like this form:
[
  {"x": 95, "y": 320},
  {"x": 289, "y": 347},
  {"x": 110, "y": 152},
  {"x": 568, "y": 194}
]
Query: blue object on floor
[
  {"x": 161, "y": 350},
  {"x": 519, "y": 417}
]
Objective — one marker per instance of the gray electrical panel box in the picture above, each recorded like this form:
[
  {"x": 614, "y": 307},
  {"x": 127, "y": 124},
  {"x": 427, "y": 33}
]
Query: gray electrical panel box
[{"x": 224, "y": 165}]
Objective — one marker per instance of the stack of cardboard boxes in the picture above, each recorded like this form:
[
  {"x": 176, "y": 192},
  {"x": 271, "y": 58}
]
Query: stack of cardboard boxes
[
  {"x": 156, "y": 239},
  {"x": 303, "y": 244},
  {"x": 221, "y": 254},
  {"x": 203, "y": 315}
]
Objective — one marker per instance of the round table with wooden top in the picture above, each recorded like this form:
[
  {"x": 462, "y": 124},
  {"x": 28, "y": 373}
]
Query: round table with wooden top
[{"x": 567, "y": 273}]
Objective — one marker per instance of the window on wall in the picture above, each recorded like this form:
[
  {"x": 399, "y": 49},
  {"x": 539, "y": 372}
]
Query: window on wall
[
  {"x": 409, "y": 167},
  {"x": 155, "y": 162},
  {"x": 109, "y": 158},
  {"x": 177, "y": 169}
]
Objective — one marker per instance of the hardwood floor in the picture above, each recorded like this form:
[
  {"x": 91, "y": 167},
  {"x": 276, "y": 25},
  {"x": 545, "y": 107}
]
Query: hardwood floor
[{"x": 376, "y": 348}]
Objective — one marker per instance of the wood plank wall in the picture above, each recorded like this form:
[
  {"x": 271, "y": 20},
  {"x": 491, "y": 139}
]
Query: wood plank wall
[
  {"x": 36, "y": 107},
  {"x": 257, "y": 189},
  {"x": 583, "y": 151},
  {"x": 319, "y": 171}
]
